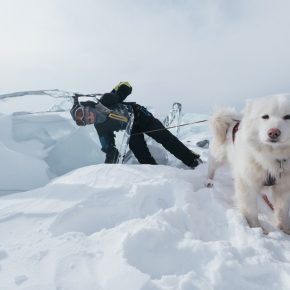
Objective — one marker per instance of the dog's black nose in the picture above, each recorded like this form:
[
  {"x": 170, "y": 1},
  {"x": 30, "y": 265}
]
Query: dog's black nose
[{"x": 274, "y": 133}]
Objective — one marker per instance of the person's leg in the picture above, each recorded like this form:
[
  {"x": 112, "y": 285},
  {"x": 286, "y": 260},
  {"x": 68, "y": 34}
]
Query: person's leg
[
  {"x": 139, "y": 147},
  {"x": 112, "y": 155},
  {"x": 172, "y": 143}
]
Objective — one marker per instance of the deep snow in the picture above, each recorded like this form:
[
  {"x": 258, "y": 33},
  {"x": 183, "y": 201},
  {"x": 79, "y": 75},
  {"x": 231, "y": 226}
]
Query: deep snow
[{"x": 87, "y": 225}]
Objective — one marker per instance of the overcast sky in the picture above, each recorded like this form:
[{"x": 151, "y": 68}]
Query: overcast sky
[{"x": 198, "y": 52}]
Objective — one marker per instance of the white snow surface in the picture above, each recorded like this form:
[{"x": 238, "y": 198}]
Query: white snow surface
[{"x": 69, "y": 222}]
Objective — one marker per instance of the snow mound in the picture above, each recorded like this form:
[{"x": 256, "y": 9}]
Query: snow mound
[
  {"x": 135, "y": 227},
  {"x": 39, "y": 140},
  {"x": 34, "y": 175},
  {"x": 35, "y": 139},
  {"x": 131, "y": 227}
]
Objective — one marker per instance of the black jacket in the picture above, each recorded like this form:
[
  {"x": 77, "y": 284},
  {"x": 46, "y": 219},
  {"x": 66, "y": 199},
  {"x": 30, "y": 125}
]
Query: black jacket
[{"x": 106, "y": 130}]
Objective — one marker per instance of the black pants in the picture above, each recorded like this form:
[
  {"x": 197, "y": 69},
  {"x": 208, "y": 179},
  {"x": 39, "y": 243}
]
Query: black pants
[{"x": 145, "y": 121}]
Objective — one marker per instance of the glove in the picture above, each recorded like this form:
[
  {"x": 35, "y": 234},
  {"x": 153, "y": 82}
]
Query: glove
[{"x": 197, "y": 156}]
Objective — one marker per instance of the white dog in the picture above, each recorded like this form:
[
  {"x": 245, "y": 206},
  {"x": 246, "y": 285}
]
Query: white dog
[{"x": 259, "y": 153}]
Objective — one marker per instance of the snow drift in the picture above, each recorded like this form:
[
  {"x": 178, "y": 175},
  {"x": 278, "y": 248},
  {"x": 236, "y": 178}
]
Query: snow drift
[{"x": 134, "y": 227}]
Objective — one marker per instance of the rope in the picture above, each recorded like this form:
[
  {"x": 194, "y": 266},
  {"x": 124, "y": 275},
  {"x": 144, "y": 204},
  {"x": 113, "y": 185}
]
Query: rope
[{"x": 162, "y": 129}]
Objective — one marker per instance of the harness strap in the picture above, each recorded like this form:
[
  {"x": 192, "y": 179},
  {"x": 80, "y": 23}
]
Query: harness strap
[
  {"x": 268, "y": 202},
  {"x": 235, "y": 130},
  {"x": 270, "y": 180}
]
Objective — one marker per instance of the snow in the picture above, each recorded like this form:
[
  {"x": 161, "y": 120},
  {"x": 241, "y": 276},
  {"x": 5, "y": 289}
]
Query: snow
[{"x": 75, "y": 223}]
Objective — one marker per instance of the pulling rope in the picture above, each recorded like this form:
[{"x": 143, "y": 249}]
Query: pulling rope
[{"x": 165, "y": 128}]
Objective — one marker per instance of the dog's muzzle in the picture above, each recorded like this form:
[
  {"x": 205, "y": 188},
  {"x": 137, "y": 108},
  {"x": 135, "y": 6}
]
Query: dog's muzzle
[{"x": 273, "y": 135}]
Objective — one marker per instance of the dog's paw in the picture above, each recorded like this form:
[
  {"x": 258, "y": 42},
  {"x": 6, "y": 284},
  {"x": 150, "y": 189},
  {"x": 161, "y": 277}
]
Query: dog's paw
[
  {"x": 283, "y": 228},
  {"x": 253, "y": 222},
  {"x": 286, "y": 231},
  {"x": 209, "y": 183},
  {"x": 265, "y": 232}
]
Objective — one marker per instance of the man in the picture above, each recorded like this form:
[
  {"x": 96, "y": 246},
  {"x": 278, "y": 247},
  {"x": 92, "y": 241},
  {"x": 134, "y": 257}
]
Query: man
[{"x": 113, "y": 106}]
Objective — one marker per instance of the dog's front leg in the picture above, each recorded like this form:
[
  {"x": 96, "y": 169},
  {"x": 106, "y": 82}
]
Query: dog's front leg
[
  {"x": 213, "y": 164},
  {"x": 282, "y": 207},
  {"x": 246, "y": 198}
]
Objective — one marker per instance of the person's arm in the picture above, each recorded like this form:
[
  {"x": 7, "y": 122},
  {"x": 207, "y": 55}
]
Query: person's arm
[
  {"x": 107, "y": 140},
  {"x": 89, "y": 104},
  {"x": 110, "y": 99}
]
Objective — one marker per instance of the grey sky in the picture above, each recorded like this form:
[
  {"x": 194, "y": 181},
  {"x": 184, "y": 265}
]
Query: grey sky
[{"x": 199, "y": 52}]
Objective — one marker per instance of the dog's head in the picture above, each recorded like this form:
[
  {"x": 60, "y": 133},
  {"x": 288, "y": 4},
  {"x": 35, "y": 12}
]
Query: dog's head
[{"x": 267, "y": 120}]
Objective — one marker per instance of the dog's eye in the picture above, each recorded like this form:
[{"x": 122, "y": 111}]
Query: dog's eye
[
  {"x": 286, "y": 117},
  {"x": 265, "y": 117}
]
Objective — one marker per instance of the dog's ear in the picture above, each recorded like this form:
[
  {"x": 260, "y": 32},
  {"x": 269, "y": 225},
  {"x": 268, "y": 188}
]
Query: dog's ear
[{"x": 248, "y": 107}]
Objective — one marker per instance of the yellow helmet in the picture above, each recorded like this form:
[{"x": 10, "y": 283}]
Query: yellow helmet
[
  {"x": 126, "y": 84},
  {"x": 123, "y": 90}
]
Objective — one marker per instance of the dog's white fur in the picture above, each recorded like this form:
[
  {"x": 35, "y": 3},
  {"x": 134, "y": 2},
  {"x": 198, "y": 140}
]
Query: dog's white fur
[{"x": 254, "y": 154}]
